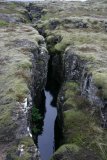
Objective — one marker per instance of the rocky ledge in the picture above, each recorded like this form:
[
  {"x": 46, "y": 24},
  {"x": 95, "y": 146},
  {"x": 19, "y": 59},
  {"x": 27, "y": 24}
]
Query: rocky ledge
[{"x": 22, "y": 51}]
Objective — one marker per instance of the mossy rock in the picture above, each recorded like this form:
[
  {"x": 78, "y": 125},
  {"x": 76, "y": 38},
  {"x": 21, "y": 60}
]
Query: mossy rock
[
  {"x": 14, "y": 152},
  {"x": 73, "y": 152},
  {"x": 73, "y": 98},
  {"x": 100, "y": 80},
  {"x": 81, "y": 129},
  {"x": 62, "y": 151},
  {"x": 71, "y": 147},
  {"x": 3, "y": 23},
  {"x": 27, "y": 141}
]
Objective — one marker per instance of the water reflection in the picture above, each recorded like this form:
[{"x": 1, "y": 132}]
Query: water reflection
[{"x": 46, "y": 139}]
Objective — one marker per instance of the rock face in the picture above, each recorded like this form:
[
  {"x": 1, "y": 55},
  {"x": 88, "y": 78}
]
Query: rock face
[
  {"x": 73, "y": 65},
  {"x": 39, "y": 72},
  {"x": 23, "y": 71},
  {"x": 76, "y": 70},
  {"x": 35, "y": 12},
  {"x": 78, "y": 93}
]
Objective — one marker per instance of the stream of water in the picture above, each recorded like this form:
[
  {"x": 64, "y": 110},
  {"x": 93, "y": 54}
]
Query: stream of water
[{"x": 46, "y": 141}]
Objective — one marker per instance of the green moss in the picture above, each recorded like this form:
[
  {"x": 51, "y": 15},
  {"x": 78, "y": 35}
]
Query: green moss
[
  {"x": 13, "y": 5},
  {"x": 36, "y": 118},
  {"x": 49, "y": 39},
  {"x": 70, "y": 147},
  {"x": 12, "y": 154},
  {"x": 75, "y": 38},
  {"x": 66, "y": 151},
  {"x": 72, "y": 85},
  {"x": 27, "y": 141},
  {"x": 71, "y": 39},
  {"x": 44, "y": 25},
  {"x": 35, "y": 114},
  {"x": 73, "y": 120},
  {"x": 80, "y": 129},
  {"x": 26, "y": 156},
  {"x": 6, "y": 112},
  {"x": 7, "y": 11},
  {"x": 73, "y": 98},
  {"x": 71, "y": 92},
  {"x": 5, "y": 118},
  {"x": 100, "y": 80},
  {"x": 77, "y": 122},
  {"x": 46, "y": 16},
  {"x": 25, "y": 64},
  {"x": 62, "y": 45},
  {"x": 3, "y": 23},
  {"x": 9, "y": 8},
  {"x": 21, "y": 90}
]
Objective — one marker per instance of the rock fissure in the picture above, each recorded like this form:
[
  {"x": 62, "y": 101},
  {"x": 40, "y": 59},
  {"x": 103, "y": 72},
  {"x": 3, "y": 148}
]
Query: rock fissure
[
  {"x": 73, "y": 70},
  {"x": 66, "y": 61},
  {"x": 51, "y": 80}
]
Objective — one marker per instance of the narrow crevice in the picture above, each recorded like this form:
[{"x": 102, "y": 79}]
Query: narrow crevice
[
  {"x": 55, "y": 80},
  {"x": 55, "y": 76},
  {"x": 51, "y": 90}
]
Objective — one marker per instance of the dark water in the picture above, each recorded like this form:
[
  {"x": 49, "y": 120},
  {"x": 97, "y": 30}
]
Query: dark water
[
  {"x": 49, "y": 135},
  {"x": 46, "y": 140}
]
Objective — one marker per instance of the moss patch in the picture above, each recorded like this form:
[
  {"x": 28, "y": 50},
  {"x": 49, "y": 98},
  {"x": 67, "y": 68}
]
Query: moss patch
[
  {"x": 3, "y": 23},
  {"x": 81, "y": 128},
  {"x": 14, "y": 152},
  {"x": 27, "y": 141},
  {"x": 101, "y": 82}
]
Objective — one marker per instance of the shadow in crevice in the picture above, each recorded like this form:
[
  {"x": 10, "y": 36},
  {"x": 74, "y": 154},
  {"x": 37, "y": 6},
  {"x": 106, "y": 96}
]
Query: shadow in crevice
[
  {"x": 48, "y": 134},
  {"x": 54, "y": 77}
]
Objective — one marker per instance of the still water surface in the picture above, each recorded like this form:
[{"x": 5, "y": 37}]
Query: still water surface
[{"x": 46, "y": 142}]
